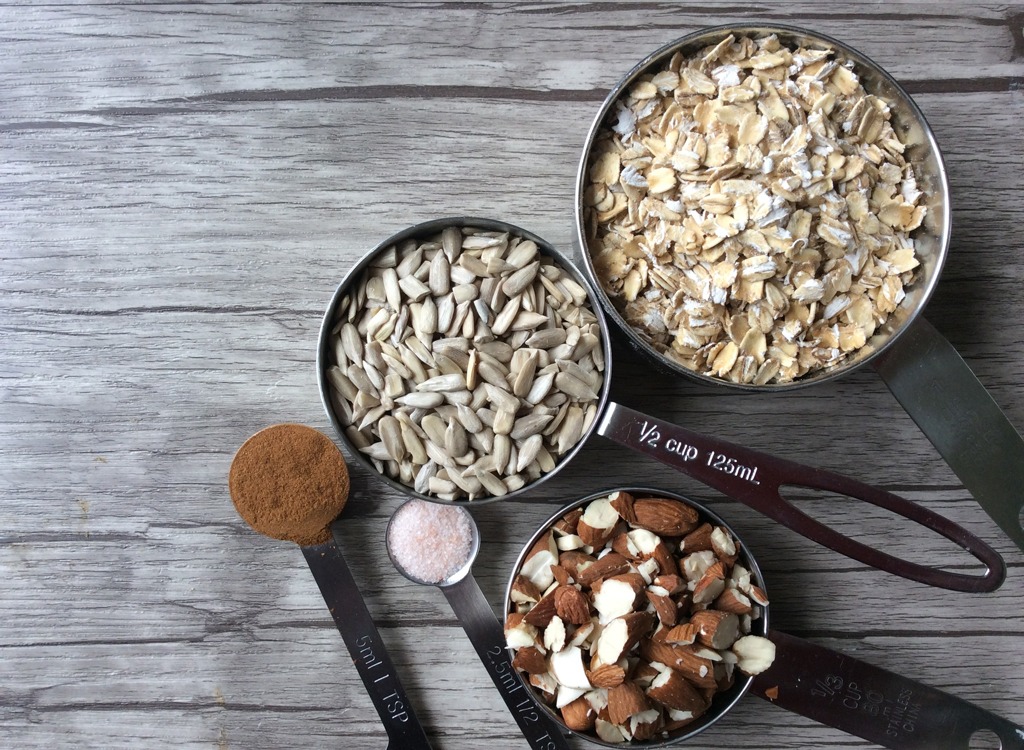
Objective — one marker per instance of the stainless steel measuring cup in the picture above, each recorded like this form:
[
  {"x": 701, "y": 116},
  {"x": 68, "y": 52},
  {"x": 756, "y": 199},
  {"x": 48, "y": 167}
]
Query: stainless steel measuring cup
[
  {"x": 485, "y": 633},
  {"x": 827, "y": 686},
  {"x": 746, "y": 475},
  {"x": 921, "y": 368}
]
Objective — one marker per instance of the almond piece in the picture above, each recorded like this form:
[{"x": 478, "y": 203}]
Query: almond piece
[
  {"x": 561, "y": 575},
  {"x": 598, "y": 522},
  {"x": 710, "y": 585},
  {"x": 623, "y": 504},
  {"x": 674, "y": 584},
  {"x": 554, "y": 635},
  {"x": 538, "y": 564},
  {"x": 607, "y": 676},
  {"x": 542, "y": 612},
  {"x": 567, "y": 668},
  {"x": 518, "y": 633},
  {"x": 696, "y": 669},
  {"x": 626, "y": 700},
  {"x": 579, "y": 715},
  {"x": 524, "y": 591},
  {"x": 612, "y": 564},
  {"x": 571, "y": 605},
  {"x": 530, "y": 660},
  {"x": 620, "y": 635},
  {"x": 724, "y": 545},
  {"x": 672, "y": 690},
  {"x": 758, "y": 595},
  {"x": 616, "y": 596},
  {"x": 664, "y": 607},
  {"x": 663, "y": 516},
  {"x": 685, "y": 634},
  {"x": 572, "y": 560},
  {"x": 733, "y": 600},
  {"x": 697, "y": 540},
  {"x": 754, "y": 654},
  {"x": 567, "y": 523},
  {"x": 715, "y": 628}
]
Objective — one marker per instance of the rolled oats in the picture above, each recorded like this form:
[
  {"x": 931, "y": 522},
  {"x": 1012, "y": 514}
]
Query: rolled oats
[{"x": 750, "y": 187}]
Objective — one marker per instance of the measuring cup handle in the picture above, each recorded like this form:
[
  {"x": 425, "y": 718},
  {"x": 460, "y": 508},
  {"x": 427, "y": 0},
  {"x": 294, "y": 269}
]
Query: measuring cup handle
[
  {"x": 877, "y": 705},
  {"x": 488, "y": 638},
  {"x": 951, "y": 406},
  {"x": 756, "y": 479},
  {"x": 365, "y": 646}
]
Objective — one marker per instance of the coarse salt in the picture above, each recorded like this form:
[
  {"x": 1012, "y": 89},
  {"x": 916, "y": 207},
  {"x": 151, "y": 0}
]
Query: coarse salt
[{"x": 430, "y": 542}]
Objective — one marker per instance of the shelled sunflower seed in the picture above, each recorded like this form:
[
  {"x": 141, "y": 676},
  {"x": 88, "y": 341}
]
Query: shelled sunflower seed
[{"x": 464, "y": 365}]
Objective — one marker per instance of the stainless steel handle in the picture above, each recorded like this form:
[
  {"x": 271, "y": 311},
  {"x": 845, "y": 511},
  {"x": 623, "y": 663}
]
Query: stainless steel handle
[
  {"x": 885, "y": 708},
  {"x": 756, "y": 479},
  {"x": 365, "y": 646},
  {"x": 488, "y": 638},
  {"x": 953, "y": 409}
]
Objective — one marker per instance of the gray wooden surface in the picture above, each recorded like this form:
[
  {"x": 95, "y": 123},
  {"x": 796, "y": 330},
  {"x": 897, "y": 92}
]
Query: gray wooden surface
[{"x": 182, "y": 185}]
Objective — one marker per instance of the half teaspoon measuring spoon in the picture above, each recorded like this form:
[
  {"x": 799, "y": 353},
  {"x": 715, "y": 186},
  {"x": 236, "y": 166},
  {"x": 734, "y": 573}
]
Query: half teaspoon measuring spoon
[
  {"x": 290, "y": 482},
  {"x": 472, "y": 609}
]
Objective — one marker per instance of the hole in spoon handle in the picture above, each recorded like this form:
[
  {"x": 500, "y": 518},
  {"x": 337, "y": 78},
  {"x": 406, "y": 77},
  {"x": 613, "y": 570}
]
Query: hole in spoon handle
[
  {"x": 488, "y": 638},
  {"x": 756, "y": 479},
  {"x": 875, "y": 704},
  {"x": 365, "y": 646}
]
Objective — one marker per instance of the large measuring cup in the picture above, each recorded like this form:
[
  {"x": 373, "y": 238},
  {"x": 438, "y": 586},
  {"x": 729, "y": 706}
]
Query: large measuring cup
[
  {"x": 921, "y": 368},
  {"x": 749, "y": 476}
]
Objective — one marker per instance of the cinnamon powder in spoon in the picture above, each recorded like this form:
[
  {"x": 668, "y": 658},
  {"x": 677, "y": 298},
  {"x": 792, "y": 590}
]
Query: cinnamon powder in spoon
[{"x": 289, "y": 482}]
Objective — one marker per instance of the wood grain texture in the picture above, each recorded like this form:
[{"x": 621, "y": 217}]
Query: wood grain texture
[{"x": 182, "y": 186}]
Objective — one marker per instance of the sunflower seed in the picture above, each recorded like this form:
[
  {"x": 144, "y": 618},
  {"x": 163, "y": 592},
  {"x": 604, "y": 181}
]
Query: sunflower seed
[
  {"x": 443, "y": 383},
  {"x": 351, "y": 343},
  {"x": 440, "y": 279},
  {"x": 413, "y": 444},
  {"x": 508, "y": 314},
  {"x": 529, "y": 425},
  {"x": 502, "y": 399},
  {"x": 518, "y": 282},
  {"x": 491, "y": 483},
  {"x": 414, "y": 289},
  {"x": 438, "y": 486},
  {"x": 574, "y": 387},
  {"x": 390, "y": 431},
  {"x": 469, "y": 419},
  {"x": 421, "y": 400},
  {"x": 524, "y": 377},
  {"x": 503, "y": 422},
  {"x": 376, "y": 450},
  {"x": 527, "y": 321},
  {"x": 528, "y": 450},
  {"x": 502, "y": 450}
]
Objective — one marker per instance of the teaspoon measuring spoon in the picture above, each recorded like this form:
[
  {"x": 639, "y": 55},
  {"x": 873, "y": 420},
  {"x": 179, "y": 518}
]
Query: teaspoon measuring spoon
[
  {"x": 488, "y": 638},
  {"x": 261, "y": 475}
]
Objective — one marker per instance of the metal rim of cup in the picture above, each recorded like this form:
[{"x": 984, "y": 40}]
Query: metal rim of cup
[
  {"x": 464, "y": 570},
  {"x": 726, "y": 699},
  {"x": 878, "y": 79},
  {"x": 418, "y": 231}
]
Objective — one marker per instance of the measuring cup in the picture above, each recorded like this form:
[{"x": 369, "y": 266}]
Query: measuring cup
[
  {"x": 488, "y": 638},
  {"x": 749, "y": 476},
  {"x": 824, "y": 685},
  {"x": 258, "y": 504},
  {"x": 921, "y": 368}
]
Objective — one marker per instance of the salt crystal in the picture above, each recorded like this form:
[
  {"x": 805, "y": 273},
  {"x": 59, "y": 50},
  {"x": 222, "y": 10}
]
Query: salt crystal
[{"x": 430, "y": 542}]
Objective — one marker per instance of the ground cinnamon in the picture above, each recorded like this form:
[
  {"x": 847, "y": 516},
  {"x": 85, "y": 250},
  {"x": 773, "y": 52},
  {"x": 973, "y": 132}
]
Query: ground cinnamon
[{"x": 289, "y": 482}]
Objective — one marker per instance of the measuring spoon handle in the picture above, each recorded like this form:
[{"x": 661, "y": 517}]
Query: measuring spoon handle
[
  {"x": 756, "y": 479},
  {"x": 488, "y": 638},
  {"x": 951, "y": 406},
  {"x": 860, "y": 699},
  {"x": 365, "y": 646}
]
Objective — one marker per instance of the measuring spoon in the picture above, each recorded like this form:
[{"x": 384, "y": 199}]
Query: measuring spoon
[
  {"x": 328, "y": 566},
  {"x": 486, "y": 634}
]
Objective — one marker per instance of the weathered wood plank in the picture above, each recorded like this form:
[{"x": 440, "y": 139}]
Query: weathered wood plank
[{"x": 181, "y": 187}]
